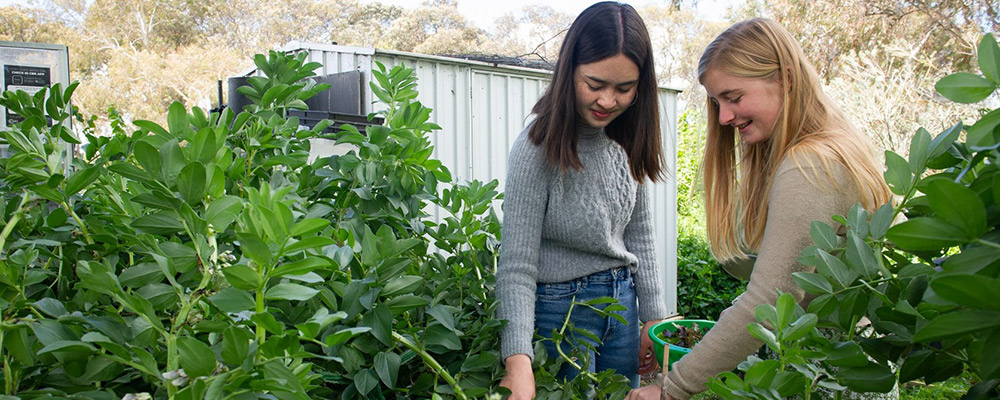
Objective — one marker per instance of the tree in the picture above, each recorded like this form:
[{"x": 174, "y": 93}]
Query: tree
[
  {"x": 535, "y": 32},
  {"x": 436, "y": 27},
  {"x": 19, "y": 24}
]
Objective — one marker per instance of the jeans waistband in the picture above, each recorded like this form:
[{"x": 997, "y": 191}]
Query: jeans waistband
[{"x": 613, "y": 274}]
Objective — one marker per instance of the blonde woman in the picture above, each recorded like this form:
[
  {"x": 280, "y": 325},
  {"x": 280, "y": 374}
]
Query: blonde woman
[{"x": 779, "y": 155}]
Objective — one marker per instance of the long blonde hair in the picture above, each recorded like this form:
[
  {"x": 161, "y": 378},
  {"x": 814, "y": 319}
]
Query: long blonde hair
[{"x": 809, "y": 123}]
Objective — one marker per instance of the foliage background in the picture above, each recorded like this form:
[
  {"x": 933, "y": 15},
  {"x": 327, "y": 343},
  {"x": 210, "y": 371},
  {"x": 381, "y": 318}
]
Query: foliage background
[{"x": 879, "y": 59}]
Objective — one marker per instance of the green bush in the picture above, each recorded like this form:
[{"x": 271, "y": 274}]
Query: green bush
[
  {"x": 704, "y": 289},
  {"x": 211, "y": 259}
]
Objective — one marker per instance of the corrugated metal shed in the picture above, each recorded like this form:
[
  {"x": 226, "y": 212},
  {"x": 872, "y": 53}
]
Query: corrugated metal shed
[{"x": 481, "y": 108}]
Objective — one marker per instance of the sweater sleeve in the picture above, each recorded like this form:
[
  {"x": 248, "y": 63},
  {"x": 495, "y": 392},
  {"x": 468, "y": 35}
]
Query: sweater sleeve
[
  {"x": 640, "y": 240},
  {"x": 794, "y": 202},
  {"x": 525, "y": 198}
]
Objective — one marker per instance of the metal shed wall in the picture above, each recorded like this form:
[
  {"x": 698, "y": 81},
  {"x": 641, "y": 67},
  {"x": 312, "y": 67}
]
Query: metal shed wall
[{"x": 481, "y": 108}]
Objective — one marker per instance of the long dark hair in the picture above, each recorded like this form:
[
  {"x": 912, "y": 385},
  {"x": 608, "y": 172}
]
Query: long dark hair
[{"x": 603, "y": 30}]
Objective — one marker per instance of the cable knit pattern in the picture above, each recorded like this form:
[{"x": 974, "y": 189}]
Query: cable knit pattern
[
  {"x": 563, "y": 225},
  {"x": 794, "y": 202}
]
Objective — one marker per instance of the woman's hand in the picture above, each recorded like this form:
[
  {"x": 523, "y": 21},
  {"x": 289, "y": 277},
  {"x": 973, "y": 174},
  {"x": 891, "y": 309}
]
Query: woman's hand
[
  {"x": 651, "y": 392},
  {"x": 647, "y": 360},
  {"x": 519, "y": 378}
]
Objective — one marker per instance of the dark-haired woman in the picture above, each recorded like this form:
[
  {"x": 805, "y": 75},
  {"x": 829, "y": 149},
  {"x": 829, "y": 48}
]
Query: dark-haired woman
[{"x": 577, "y": 220}]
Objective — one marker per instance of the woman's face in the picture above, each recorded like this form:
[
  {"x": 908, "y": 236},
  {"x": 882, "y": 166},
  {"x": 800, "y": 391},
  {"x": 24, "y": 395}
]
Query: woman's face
[
  {"x": 605, "y": 89},
  {"x": 751, "y": 105}
]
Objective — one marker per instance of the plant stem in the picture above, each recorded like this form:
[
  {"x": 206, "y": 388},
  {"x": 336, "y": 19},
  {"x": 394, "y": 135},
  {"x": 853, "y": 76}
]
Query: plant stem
[
  {"x": 14, "y": 219},
  {"x": 432, "y": 363},
  {"x": 988, "y": 243},
  {"x": 79, "y": 223}
]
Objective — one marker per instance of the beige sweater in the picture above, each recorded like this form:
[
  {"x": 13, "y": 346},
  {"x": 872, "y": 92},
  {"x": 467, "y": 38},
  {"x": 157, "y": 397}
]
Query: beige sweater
[{"x": 796, "y": 199}]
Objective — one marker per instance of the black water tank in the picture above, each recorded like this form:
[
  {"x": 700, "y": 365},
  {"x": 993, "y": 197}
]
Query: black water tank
[{"x": 236, "y": 100}]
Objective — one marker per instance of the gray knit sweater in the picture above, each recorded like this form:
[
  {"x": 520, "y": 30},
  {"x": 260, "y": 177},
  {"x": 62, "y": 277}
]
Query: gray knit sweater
[{"x": 563, "y": 225}]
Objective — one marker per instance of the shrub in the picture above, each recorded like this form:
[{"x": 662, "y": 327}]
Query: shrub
[
  {"x": 704, "y": 289},
  {"x": 210, "y": 258}
]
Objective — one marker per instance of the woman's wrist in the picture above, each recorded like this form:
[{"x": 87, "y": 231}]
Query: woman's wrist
[{"x": 517, "y": 362}]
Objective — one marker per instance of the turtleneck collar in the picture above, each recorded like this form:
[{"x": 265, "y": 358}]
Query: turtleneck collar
[{"x": 590, "y": 138}]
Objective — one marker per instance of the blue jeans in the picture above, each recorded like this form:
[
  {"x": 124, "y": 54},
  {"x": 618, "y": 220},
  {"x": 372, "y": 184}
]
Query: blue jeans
[{"x": 619, "y": 347}]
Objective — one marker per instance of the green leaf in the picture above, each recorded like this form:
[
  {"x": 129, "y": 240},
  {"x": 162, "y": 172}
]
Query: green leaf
[
  {"x": 159, "y": 295},
  {"x": 831, "y": 267},
  {"x": 480, "y": 361},
  {"x": 267, "y": 321},
  {"x": 365, "y": 380},
  {"x": 181, "y": 257},
  {"x": 255, "y": 249},
  {"x": 989, "y": 361},
  {"x": 68, "y": 346},
  {"x": 762, "y": 373},
  {"x": 963, "y": 87},
  {"x": 870, "y": 378},
  {"x": 405, "y": 284},
  {"x": 823, "y": 305},
  {"x": 223, "y": 211},
  {"x": 149, "y": 158},
  {"x": 173, "y": 162},
  {"x": 989, "y": 58},
  {"x": 944, "y": 141},
  {"x": 897, "y": 175},
  {"x": 924, "y": 233},
  {"x": 380, "y": 322},
  {"x": 800, "y": 327},
  {"x": 823, "y": 235},
  {"x": 204, "y": 147},
  {"x": 387, "y": 366},
  {"x": 141, "y": 275},
  {"x": 82, "y": 179},
  {"x": 972, "y": 291},
  {"x": 54, "y": 308},
  {"x": 96, "y": 276},
  {"x": 197, "y": 359},
  {"x": 860, "y": 256},
  {"x": 191, "y": 183},
  {"x": 785, "y": 310},
  {"x": 401, "y": 304},
  {"x": 241, "y": 277},
  {"x": 290, "y": 291},
  {"x": 981, "y": 133},
  {"x": 307, "y": 244},
  {"x": 916, "y": 365},
  {"x": 972, "y": 260},
  {"x": 235, "y": 345},
  {"x": 956, "y": 324},
  {"x": 439, "y": 339},
  {"x": 845, "y": 354},
  {"x": 216, "y": 390},
  {"x": 915, "y": 270},
  {"x": 159, "y": 223},
  {"x": 919, "y": 151},
  {"x": 152, "y": 127},
  {"x": 177, "y": 120},
  {"x": 308, "y": 226},
  {"x": 342, "y": 336},
  {"x": 881, "y": 221},
  {"x": 758, "y": 331},
  {"x": 957, "y": 205},
  {"x": 300, "y": 267},
  {"x": 233, "y": 300}
]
